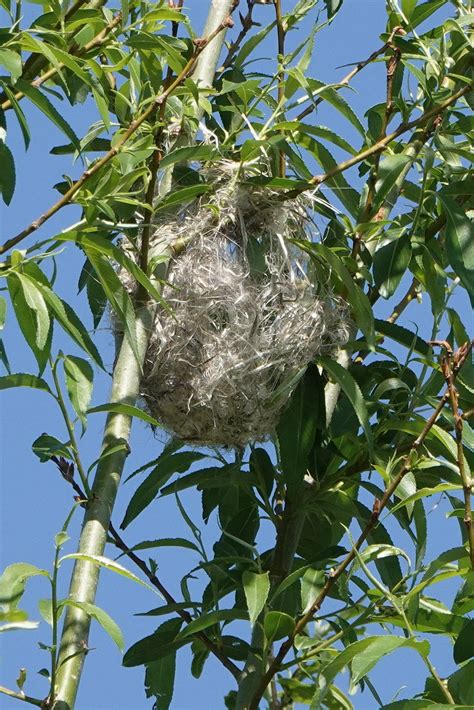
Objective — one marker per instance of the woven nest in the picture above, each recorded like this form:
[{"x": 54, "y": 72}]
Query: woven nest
[{"x": 245, "y": 318}]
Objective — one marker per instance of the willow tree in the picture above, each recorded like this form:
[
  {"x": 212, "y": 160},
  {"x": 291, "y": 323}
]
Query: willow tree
[{"x": 367, "y": 431}]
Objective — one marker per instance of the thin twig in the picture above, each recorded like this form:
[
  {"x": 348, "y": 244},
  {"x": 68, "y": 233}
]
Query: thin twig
[
  {"x": 21, "y": 696},
  {"x": 392, "y": 65},
  {"x": 379, "y": 505},
  {"x": 98, "y": 41},
  {"x": 67, "y": 472},
  {"x": 346, "y": 80},
  {"x": 36, "y": 62},
  {"x": 247, "y": 24},
  {"x": 281, "y": 34},
  {"x": 200, "y": 45},
  {"x": 448, "y": 365}
]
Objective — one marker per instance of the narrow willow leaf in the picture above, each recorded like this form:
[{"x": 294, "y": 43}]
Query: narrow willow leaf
[
  {"x": 148, "y": 490},
  {"x": 355, "y": 296},
  {"x": 459, "y": 242},
  {"x": 179, "y": 197},
  {"x": 312, "y": 583},
  {"x": 79, "y": 377},
  {"x": 391, "y": 261},
  {"x": 13, "y": 581},
  {"x": 165, "y": 542},
  {"x": 366, "y": 660},
  {"x": 24, "y": 380},
  {"x": 126, "y": 409},
  {"x": 277, "y": 625},
  {"x": 118, "y": 297},
  {"x": 424, "y": 492},
  {"x": 108, "y": 624},
  {"x": 210, "y": 619},
  {"x": 402, "y": 335},
  {"x": 155, "y": 646},
  {"x": 464, "y": 647},
  {"x": 70, "y": 323},
  {"x": 46, "y": 446},
  {"x": 32, "y": 316},
  {"x": 297, "y": 427},
  {"x": 352, "y": 391},
  {"x": 12, "y": 62},
  {"x": 38, "y": 98},
  {"x": 111, "y": 565},
  {"x": 159, "y": 681},
  {"x": 390, "y": 169},
  {"x": 191, "y": 154},
  {"x": 256, "y": 589},
  {"x": 7, "y": 174},
  {"x": 3, "y": 311}
]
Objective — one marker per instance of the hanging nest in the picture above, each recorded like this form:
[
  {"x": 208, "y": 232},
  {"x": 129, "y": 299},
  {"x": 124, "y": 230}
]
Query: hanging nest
[{"x": 246, "y": 318}]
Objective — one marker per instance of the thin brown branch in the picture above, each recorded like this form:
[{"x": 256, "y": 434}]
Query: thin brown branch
[
  {"x": 66, "y": 199},
  {"x": 379, "y": 145},
  {"x": 348, "y": 78},
  {"x": 36, "y": 62},
  {"x": 379, "y": 506},
  {"x": 392, "y": 64},
  {"x": 448, "y": 365},
  {"x": 67, "y": 472},
  {"x": 247, "y": 24},
  {"x": 98, "y": 41},
  {"x": 281, "y": 34}
]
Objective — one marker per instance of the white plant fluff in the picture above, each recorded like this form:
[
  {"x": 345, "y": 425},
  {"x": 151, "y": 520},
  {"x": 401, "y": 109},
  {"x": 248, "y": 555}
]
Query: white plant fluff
[{"x": 245, "y": 318}]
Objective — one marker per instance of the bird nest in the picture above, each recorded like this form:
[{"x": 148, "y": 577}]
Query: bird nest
[{"x": 245, "y": 317}]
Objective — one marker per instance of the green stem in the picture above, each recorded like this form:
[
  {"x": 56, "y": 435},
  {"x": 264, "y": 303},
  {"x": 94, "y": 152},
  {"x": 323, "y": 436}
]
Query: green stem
[
  {"x": 125, "y": 389},
  {"x": 69, "y": 427}
]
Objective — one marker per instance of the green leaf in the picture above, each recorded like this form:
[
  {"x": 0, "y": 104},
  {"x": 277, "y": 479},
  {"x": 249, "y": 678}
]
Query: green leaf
[
  {"x": 459, "y": 242},
  {"x": 390, "y": 169},
  {"x": 23, "y": 380},
  {"x": 391, "y": 261},
  {"x": 256, "y": 589},
  {"x": 45, "y": 607},
  {"x": 332, "y": 7},
  {"x": 403, "y": 336},
  {"x": 165, "y": 542},
  {"x": 7, "y": 173},
  {"x": 46, "y": 446},
  {"x": 262, "y": 469},
  {"x": 118, "y": 297},
  {"x": 210, "y": 619},
  {"x": 352, "y": 391},
  {"x": 357, "y": 299},
  {"x": 424, "y": 492},
  {"x": 189, "y": 154},
  {"x": 101, "y": 616},
  {"x": 148, "y": 490},
  {"x": 11, "y": 61},
  {"x": 32, "y": 316},
  {"x": 464, "y": 646},
  {"x": 207, "y": 477},
  {"x": 159, "y": 681},
  {"x": 44, "y": 104},
  {"x": 157, "y": 645},
  {"x": 13, "y": 581},
  {"x": 79, "y": 376},
  {"x": 71, "y": 324},
  {"x": 423, "y": 11},
  {"x": 3, "y": 311},
  {"x": 461, "y": 685},
  {"x": 111, "y": 565},
  {"x": 297, "y": 427},
  {"x": 127, "y": 409},
  {"x": 277, "y": 625},
  {"x": 185, "y": 195},
  {"x": 312, "y": 583}
]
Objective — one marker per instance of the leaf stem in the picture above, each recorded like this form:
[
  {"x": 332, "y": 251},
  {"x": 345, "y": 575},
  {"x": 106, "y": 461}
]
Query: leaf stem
[{"x": 21, "y": 696}]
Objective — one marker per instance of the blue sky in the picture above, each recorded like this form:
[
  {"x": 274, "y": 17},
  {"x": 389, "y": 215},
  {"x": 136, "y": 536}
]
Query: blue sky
[{"x": 35, "y": 500}]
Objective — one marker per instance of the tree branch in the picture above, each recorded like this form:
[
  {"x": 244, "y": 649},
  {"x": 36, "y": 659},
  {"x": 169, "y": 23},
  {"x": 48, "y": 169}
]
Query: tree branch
[
  {"x": 448, "y": 366},
  {"x": 66, "y": 199},
  {"x": 21, "y": 696},
  {"x": 379, "y": 505}
]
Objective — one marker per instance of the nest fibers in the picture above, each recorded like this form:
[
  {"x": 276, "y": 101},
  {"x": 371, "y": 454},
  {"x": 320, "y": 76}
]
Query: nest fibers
[{"x": 245, "y": 318}]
